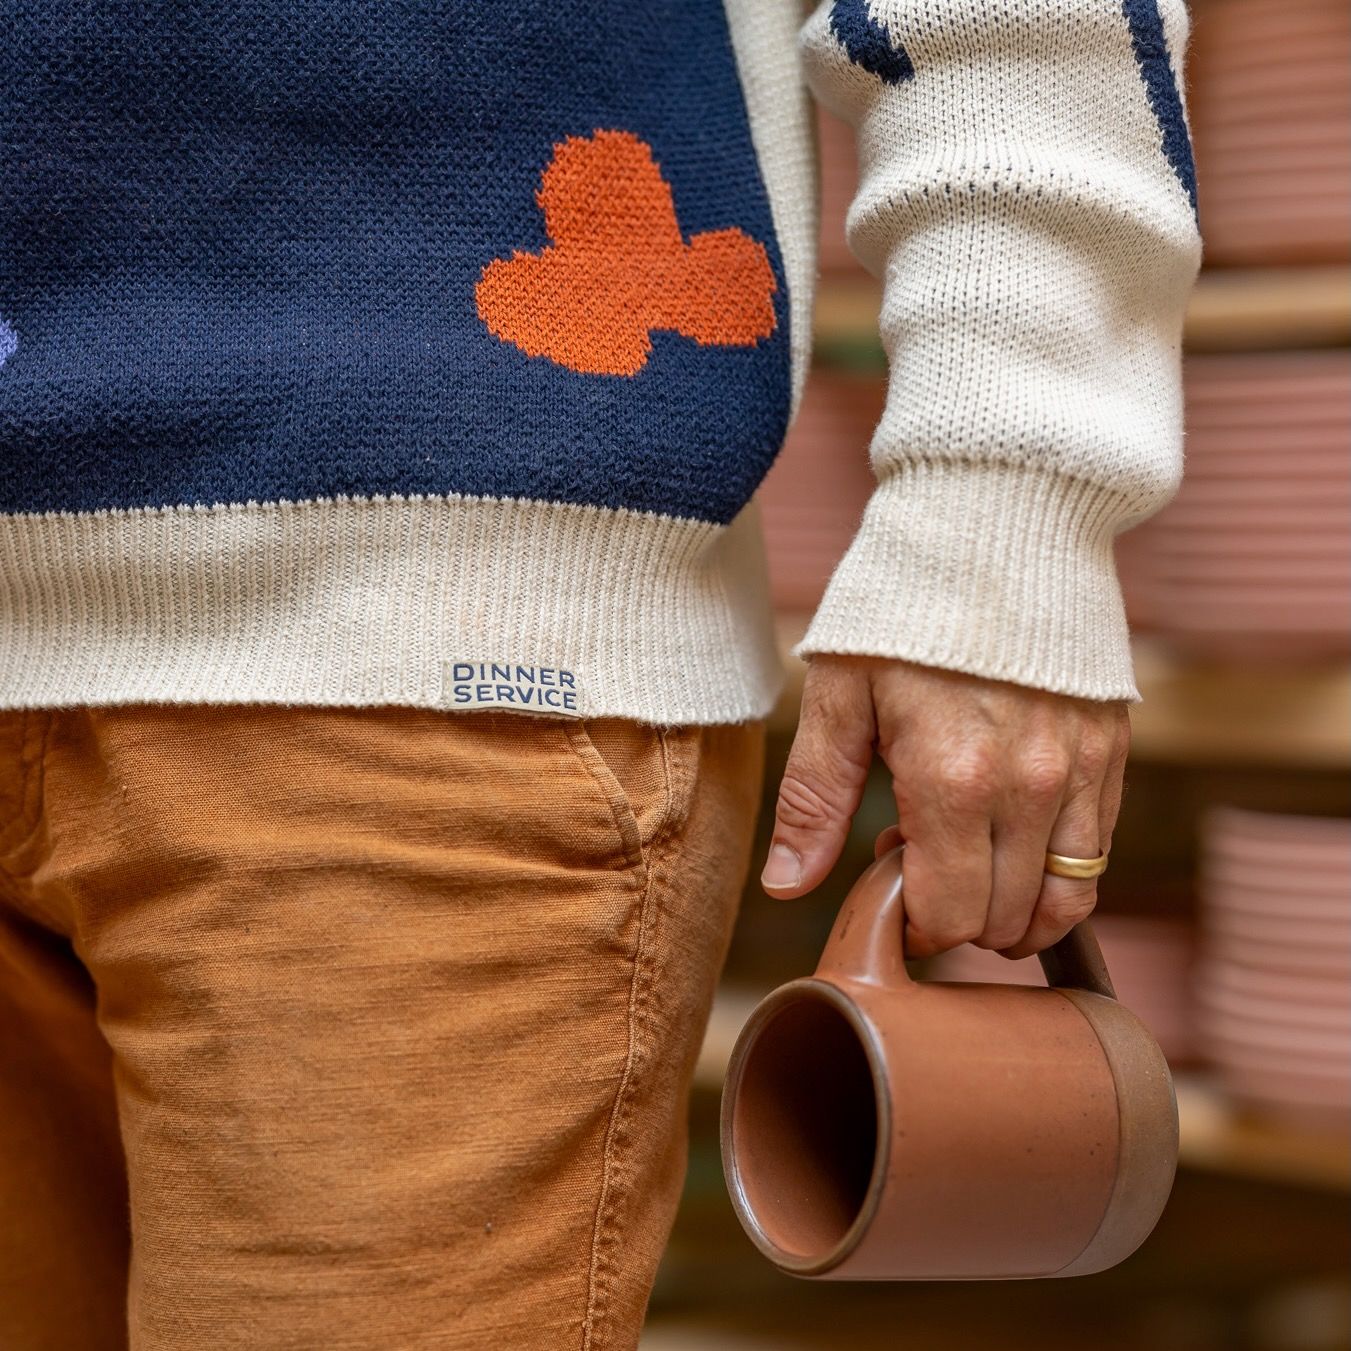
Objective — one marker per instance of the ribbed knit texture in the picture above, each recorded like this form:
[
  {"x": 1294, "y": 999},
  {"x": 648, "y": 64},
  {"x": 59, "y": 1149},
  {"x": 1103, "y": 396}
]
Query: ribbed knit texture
[
  {"x": 1003, "y": 571},
  {"x": 1037, "y": 245},
  {"x": 339, "y": 345},
  {"x": 369, "y": 602}
]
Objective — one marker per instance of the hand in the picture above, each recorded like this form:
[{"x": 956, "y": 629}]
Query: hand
[{"x": 987, "y": 777}]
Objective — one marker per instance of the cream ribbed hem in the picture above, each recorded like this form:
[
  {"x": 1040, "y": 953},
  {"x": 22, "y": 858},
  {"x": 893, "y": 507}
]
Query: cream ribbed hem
[
  {"x": 997, "y": 570},
  {"x": 365, "y": 601}
]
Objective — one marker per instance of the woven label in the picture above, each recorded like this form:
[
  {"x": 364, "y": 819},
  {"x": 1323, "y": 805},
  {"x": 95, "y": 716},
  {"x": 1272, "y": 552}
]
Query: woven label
[{"x": 507, "y": 685}]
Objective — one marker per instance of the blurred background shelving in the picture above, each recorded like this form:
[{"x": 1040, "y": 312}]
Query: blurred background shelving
[
  {"x": 1228, "y": 906},
  {"x": 1194, "y": 710},
  {"x": 1231, "y": 309}
]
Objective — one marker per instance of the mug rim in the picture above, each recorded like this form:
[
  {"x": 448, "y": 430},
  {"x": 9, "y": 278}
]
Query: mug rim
[{"x": 822, "y": 991}]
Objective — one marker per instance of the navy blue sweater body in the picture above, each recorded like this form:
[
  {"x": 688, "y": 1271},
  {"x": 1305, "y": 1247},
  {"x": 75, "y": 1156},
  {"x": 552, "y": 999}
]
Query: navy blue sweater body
[{"x": 241, "y": 242}]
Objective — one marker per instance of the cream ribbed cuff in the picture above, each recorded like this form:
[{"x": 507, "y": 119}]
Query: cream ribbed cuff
[{"x": 998, "y": 570}]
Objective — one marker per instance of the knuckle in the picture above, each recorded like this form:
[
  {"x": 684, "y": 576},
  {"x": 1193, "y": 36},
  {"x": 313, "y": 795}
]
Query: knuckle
[
  {"x": 1044, "y": 777},
  {"x": 996, "y": 940},
  {"x": 890, "y": 745},
  {"x": 1069, "y": 904},
  {"x": 1095, "y": 754},
  {"x": 804, "y": 806},
  {"x": 952, "y": 931},
  {"x": 968, "y": 780}
]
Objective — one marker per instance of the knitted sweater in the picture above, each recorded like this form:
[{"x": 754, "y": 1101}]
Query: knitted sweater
[{"x": 431, "y": 353}]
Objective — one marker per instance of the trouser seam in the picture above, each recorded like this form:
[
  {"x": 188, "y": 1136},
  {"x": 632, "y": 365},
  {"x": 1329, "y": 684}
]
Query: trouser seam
[
  {"x": 625, "y": 820},
  {"x": 604, "y": 1232},
  {"x": 32, "y": 790}
]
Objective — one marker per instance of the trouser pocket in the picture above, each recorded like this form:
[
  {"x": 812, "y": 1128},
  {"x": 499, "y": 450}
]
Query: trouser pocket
[{"x": 642, "y": 771}]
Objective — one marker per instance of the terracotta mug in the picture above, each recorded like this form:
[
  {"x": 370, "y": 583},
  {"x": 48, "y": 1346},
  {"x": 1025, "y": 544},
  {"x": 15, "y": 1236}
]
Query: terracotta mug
[{"x": 878, "y": 1128}]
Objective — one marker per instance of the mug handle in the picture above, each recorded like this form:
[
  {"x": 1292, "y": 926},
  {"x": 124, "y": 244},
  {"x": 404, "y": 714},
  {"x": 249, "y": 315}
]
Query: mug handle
[{"x": 866, "y": 943}]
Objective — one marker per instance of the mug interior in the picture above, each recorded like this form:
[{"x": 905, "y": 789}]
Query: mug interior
[{"x": 805, "y": 1128}]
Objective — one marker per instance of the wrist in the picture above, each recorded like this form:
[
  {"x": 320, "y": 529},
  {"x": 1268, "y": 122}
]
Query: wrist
[{"x": 994, "y": 570}]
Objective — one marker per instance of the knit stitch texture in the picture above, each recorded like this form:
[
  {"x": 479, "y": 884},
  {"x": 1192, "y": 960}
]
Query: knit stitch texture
[{"x": 340, "y": 344}]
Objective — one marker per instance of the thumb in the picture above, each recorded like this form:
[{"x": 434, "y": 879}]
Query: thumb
[{"x": 823, "y": 780}]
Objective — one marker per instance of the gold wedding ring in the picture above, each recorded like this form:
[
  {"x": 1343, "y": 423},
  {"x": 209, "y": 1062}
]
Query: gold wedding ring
[{"x": 1062, "y": 865}]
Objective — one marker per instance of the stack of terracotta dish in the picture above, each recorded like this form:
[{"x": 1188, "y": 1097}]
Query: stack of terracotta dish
[
  {"x": 1149, "y": 960},
  {"x": 1253, "y": 557},
  {"x": 814, "y": 496},
  {"x": 1274, "y": 981},
  {"x": 839, "y": 181},
  {"x": 1272, "y": 120},
  {"x": 813, "y": 499}
]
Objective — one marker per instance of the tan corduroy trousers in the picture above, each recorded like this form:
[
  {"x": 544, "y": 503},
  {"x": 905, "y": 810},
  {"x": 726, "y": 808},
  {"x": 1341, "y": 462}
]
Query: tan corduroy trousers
[{"x": 340, "y": 1028}]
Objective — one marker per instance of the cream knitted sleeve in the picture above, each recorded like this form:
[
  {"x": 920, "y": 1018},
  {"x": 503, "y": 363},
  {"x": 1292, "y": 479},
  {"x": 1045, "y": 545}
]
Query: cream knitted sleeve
[{"x": 1027, "y": 196}]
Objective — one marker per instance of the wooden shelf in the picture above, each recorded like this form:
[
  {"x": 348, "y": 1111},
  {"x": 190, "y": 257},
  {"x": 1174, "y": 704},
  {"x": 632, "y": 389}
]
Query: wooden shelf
[
  {"x": 1195, "y": 712},
  {"x": 1266, "y": 308},
  {"x": 1215, "y": 1136},
  {"x": 1245, "y": 309}
]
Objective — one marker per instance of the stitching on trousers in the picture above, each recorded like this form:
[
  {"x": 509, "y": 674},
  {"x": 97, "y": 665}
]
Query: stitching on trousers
[
  {"x": 29, "y": 818},
  {"x": 603, "y": 1237},
  {"x": 24, "y": 820},
  {"x": 625, "y": 818}
]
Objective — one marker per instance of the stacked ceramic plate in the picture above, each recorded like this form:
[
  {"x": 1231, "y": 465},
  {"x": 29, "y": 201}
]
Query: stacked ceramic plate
[
  {"x": 1274, "y": 980},
  {"x": 839, "y": 181},
  {"x": 1149, "y": 960},
  {"x": 1271, "y": 114},
  {"x": 814, "y": 496},
  {"x": 1253, "y": 557}
]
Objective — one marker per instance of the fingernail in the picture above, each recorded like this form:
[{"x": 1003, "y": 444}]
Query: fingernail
[{"x": 783, "y": 869}]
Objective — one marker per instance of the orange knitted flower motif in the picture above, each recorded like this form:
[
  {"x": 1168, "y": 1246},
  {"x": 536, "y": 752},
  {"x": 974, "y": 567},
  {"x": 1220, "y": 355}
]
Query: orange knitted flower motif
[{"x": 619, "y": 268}]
